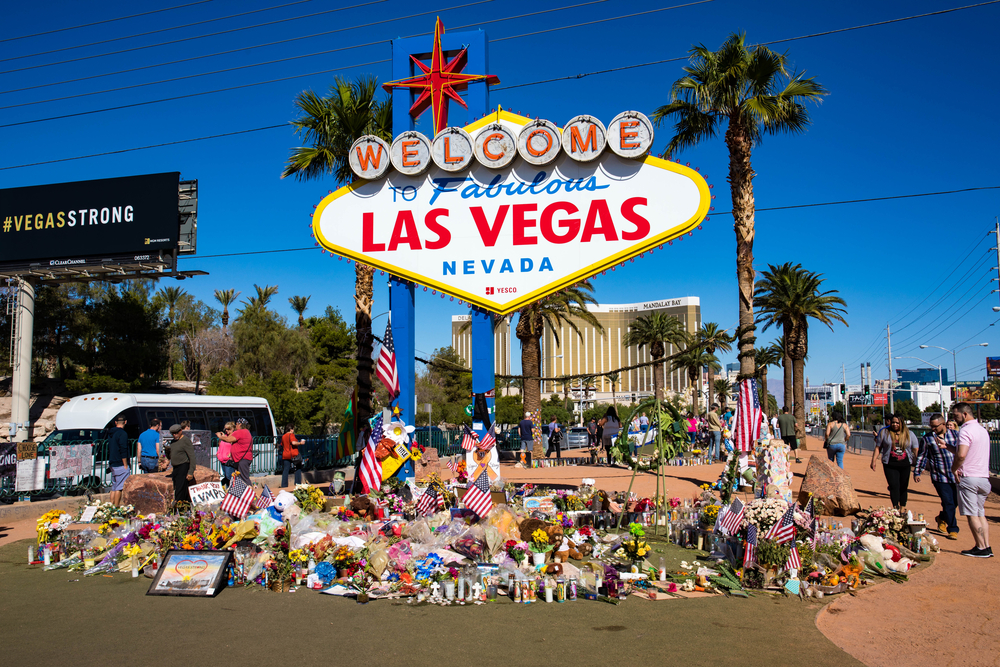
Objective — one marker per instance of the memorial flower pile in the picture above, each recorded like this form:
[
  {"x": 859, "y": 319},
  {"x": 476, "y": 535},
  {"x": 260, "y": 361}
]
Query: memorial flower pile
[
  {"x": 309, "y": 497},
  {"x": 51, "y": 525},
  {"x": 764, "y": 512},
  {"x": 883, "y": 522}
]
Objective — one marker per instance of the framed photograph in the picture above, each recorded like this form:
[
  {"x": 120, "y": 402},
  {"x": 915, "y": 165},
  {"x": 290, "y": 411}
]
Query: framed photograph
[{"x": 194, "y": 573}]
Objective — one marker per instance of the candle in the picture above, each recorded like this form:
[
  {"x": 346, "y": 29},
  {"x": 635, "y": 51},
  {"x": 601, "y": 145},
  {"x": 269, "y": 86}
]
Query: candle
[
  {"x": 449, "y": 590},
  {"x": 461, "y": 588},
  {"x": 31, "y": 554},
  {"x": 548, "y": 593},
  {"x": 46, "y": 556}
]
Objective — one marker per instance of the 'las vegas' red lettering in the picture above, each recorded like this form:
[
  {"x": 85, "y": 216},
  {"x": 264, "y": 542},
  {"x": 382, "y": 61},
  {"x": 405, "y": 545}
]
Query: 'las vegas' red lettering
[
  {"x": 570, "y": 225},
  {"x": 368, "y": 233},
  {"x": 489, "y": 233},
  {"x": 521, "y": 224},
  {"x": 641, "y": 224},
  {"x": 404, "y": 231},
  {"x": 599, "y": 222},
  {"x": 431, "y": 221}
]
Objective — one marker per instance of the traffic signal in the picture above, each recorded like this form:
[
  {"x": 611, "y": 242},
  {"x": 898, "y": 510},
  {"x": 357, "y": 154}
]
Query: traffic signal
[
  {"x": 843, "y": 390},
  {"x": 867, "y": 389}
]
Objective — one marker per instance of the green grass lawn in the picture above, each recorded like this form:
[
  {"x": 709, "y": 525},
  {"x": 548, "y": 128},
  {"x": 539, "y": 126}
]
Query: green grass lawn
[{"x": 60, "y": 617}]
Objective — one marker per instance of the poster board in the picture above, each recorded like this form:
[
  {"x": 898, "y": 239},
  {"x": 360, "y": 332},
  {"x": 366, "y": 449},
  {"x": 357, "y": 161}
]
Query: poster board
[
  {"x": 8, "y": 459},
  {"x": 191, "y": 573},
  {"x": 70, "y": 461},
  {"x": 206, "y": 494},
  {"x": 202, "y": 443},
  {"x": 30, "y": 475}
]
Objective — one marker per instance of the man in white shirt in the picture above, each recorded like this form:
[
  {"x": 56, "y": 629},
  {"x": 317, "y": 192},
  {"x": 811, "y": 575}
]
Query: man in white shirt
[{"x": 774, "y": 427}]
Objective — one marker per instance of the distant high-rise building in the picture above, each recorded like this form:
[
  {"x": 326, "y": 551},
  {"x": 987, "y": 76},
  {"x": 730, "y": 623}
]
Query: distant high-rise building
[{"x": 461, "y": 341}]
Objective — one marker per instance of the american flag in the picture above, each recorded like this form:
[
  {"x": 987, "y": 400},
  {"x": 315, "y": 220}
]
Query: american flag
[
  {"x": 371, "y": 467},
  {"x": 477, "y": 497},
  {"x": 750, "y": 555},
  {"x": 811, "y": 513},
  {"x": 784, "y": 530},
  {"x": 452, "y": 465},
  {"x": 238, "y": 498},
  {"x": 266, "y": 499},
  {"x": 387, "y": 371},
  {"x": 794, "y": 562},
  {"x": 469, "y": 439},
  {"x": 488, "y": 441},
  {"x": 748, "y": 416},
  {"x": 732, "y": 520},
  {"x": 430, "y": 502}
]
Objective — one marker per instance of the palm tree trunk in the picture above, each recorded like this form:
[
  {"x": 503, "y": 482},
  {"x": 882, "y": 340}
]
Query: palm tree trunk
[
  {"x": 531, "y": 358},
  {"x": 364, "y": 297},
  {"x": 789, "y": 397},
  {"x": 695, "y": 389},
  {"x": 711, "y": 386},
  {"x": 763, "y": 392},
  {"x": 741, "y": 176},
  {"x": 800, "y": 401},
  {"x": 658, "y": 379}
]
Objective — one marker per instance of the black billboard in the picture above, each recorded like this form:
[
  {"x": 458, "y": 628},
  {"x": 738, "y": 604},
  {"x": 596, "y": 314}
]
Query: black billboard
[{"x": 111, "y": 216}]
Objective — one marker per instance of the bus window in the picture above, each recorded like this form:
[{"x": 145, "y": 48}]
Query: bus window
[
  {"x": 166, "y": 417},
  {"x": 249, "y": 416},
  {"x": 263, "y": 421},
  {"x": 133, "y": 426},
  {"x": 196, "y": 417},
  {"x": 217, "y": 419}
]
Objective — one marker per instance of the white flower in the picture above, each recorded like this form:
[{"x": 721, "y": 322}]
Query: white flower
[{"x": 397, "y": 431}]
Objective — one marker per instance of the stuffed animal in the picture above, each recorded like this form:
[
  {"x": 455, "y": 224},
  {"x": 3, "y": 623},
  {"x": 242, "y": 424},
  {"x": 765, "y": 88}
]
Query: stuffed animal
[
  {"x": 529, "y": 526},
  {"x": 282, "y": 507},
  {"x": 568, "y": 549},
  {"x": 889, "y": 555},
  {"x": 363, "y": 507}
]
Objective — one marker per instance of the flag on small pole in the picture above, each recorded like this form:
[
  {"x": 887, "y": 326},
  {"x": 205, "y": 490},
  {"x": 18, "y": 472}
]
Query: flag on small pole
[
  {"x": 371, "y": 467},
  {"x": 469, "y": 438},
  {"x": 748, "y": 417},
  {"x": 239, "y": 497},
  {"x": 387, "y": 371},
  {"x": 784, "y": 530},
  {"x": 430, "y": 502},
  {"x": 477, "y": 498},
  {"x": 732, "y": 520},
  {"x": 265, "y": 500},
  {"x": 750, "y": 553}
]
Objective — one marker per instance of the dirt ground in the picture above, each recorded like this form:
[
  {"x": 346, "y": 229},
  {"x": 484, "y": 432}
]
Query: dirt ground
[{"x": 942, "y": 616}]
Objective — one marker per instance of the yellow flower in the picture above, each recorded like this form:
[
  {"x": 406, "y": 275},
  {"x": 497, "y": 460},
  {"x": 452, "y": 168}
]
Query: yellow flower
[{"x": 540, "y": 536}]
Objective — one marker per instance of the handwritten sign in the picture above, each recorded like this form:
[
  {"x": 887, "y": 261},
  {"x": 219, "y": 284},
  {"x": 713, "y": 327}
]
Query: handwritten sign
[
  {"x": 26, "y": 451},
  {"x": 88, "y": 514},
  {"x": 542, "y": 504},
  {"x": 208, "y": 493}
]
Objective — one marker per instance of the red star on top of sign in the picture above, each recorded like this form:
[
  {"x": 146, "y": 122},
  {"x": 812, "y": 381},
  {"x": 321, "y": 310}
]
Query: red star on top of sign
[{"x": 439, "y": 81}]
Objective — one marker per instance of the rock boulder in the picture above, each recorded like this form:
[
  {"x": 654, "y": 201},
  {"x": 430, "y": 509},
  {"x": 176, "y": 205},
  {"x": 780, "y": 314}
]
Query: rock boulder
[
  {"x": 428, "y": 463},
  {"x": 154, "y": 492},
  {"x": 830, "y": 486}
]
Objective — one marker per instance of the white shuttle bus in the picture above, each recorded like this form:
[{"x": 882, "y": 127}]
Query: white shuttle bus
[{"x": 89, "y": 417}]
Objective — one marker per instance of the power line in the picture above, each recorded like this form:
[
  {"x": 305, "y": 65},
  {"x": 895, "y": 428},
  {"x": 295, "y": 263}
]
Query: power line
[
  {"x": 945, "y": 294},
  {"x": 190, "y": 95},
  {"x": 777, "y": 41},
  {"x": 89, "y": 25},
  {"x": 188, "y": 39},
  {"x": 153, "y": 32},
  {"x": 259, "y": 46},
  {"x": 289, "y": 58}
]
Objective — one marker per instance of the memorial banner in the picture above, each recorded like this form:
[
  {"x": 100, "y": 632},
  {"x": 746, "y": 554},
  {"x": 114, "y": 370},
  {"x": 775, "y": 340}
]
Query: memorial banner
[{"x": 70, "y": 461}]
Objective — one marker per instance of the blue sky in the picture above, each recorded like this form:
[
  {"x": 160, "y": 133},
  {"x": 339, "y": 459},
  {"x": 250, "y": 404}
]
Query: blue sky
[{"x": 911, "y": 109}]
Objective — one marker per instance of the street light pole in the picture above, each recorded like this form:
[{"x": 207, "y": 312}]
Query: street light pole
[{"x": 954, "y": 355}]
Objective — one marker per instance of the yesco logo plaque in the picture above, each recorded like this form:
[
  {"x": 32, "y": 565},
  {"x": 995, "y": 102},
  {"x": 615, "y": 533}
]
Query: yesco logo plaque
[{"x": 509, "y": 209}]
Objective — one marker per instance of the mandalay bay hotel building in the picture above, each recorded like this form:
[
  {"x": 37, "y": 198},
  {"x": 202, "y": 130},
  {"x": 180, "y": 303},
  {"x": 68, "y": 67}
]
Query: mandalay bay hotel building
[{"x": 594, "y": 352}]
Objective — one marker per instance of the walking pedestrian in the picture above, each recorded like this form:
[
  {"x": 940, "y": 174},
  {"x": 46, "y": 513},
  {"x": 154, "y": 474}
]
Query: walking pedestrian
[
  {"x": 692, "y": 428},
  {"x": 972, "y": 470},
  {"x": 775, "y": 431},
  {"x": 119, "y": 457},
  {"x": 290, "y": 456},
  {"x": 643, "y": 422},
  {"x": 714, "y": 432},
  {"x": 224, "y": 453},
  {"x": 898, "y": 449},
  {"x": 525, "y": 429},
  {"x": 555, "y": 438},
  {"x": 148, "y": 449},
  {"x": 937, "y": 457},
  {"x": 837, "y": 435},
  {"x": 611, "y": 425},
  {"x": 786, "y": 424},
  {"x": 182, "y": 460}
]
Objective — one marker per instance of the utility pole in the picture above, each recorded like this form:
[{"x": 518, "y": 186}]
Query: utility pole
[
  {"x": 847, "y": 407},
  {"x": 888, "y": 338}
]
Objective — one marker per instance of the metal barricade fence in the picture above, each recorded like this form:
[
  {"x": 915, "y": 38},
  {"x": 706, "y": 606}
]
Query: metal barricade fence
[{"x": 995, "y": 452}]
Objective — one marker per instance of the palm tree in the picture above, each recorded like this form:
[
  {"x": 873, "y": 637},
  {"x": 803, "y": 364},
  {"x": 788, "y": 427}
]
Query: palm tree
[
  {"x": 764, "y": 357},
  {"x": 723, "y": 389},
  {"x": 614, "y": 378},
  {"x": 655, "y": 330},
  {"x": 171, "y": 298},
  {"x": 299, "y": 305},
  {"x": 712, "y": 338},
  {"x": 330, "y": 125},
  {"x": 559, "y": 308},
  {"x": 786, "y": 368},
  {"x": 226, "y": 297},
  {"x": 787, "y": 296},
  {"x": 693, "y": 359},
  {"x": 752, "y": 91}
]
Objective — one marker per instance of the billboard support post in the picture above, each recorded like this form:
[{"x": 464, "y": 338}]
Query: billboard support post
[{"x": 21, "y": 380}]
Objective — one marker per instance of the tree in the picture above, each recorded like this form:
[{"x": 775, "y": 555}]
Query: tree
[
  {"x": 169, "y": 298},
  {"x": 693, "y": 359},
  {"x": 908, "y": 410},
  {"x": 299, "y": 305},
  {"x": 614, "y": 378},
  {"x": 764, "y": 357},
  {"x": 752, "y": 91},
  {"x": 129, "y": 340},
  {"x": 787, "y": 393},
  {"x": 560, "y": 308},
  {"x": 226, "y": 297},
  {"x": 330, "y": 125},
  {"x": 655, "y": 330},
  {"x": 788, "y": 296},
  {"x": 723, "y": 390},
  {"x": 712, "y": 338}
]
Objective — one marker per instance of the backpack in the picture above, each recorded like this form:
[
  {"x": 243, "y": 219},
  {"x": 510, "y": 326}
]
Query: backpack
[{"x": 225, "y": 452}]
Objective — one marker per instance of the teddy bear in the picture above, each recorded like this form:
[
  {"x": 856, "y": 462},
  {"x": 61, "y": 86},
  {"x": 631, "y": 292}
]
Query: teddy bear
[
  {"x": 363, "y": 507},
  {"x": 529, "y": 526},
  {"x": 284, "y": 506},
  {"x": 889, "y": 555},
  {"x": 569, "y": 549}
]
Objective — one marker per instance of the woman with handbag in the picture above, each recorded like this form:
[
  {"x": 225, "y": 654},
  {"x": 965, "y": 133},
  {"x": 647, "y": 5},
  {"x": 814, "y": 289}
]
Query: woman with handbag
[
  {"x": 224, "y": 452},
  {"x": 898, "y": 448},
  {"x": 837, "y": 436},
  {"x": 290, "y": 457}
]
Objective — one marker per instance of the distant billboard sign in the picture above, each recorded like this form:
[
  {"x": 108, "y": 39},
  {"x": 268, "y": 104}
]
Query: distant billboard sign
[
  {"x": 879, "y": 399},
  {"x": 992, "y": 367},
  {"x": 112, "y": 216}
]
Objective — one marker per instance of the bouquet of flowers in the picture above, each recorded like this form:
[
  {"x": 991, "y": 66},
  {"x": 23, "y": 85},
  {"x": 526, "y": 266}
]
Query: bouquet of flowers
[
  {"x": 107, "y": 511},
  {"x": 636, "y": 548},
  {"x": 765, "y": 512},
  {"x": 882, "y": 521},
  {"x": 51, "y": 524},
  {"x": 309, "y": 498},
  {"x": 461, "y": 472},
  {"x": 516, "y": 550},
  {"x": 709, "y": 515},
  {"x": 346, "y": 514},
  {"x": 280, "y": 567}
]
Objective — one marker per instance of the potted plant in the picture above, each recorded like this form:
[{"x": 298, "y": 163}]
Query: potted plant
[
  {"x": 540, "y": 547},
  {"x": 636, "y": 547}
]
